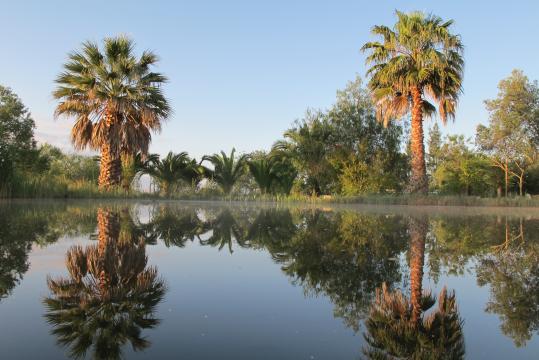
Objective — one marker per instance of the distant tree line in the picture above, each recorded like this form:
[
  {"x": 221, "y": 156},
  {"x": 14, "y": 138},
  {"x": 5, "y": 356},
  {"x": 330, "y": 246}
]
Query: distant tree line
[{"x": 352, "y": 148}]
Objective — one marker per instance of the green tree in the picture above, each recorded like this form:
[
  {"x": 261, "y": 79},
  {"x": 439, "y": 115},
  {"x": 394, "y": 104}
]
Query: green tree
[
  {"x": 508, "y": 139},
  {"x": 461, "y": 170},
  {"x": 227, "y": 169},
  {"x": 16, "y": 135},
  {"x": 262, "y": 169},
  {"x": 435, "y": 149},
  {"x": 307, "y": 145},
  {"x": 116, "y": 101},
  {"x": 169, "y": 171},
  {"x": 418, "y": 58}
]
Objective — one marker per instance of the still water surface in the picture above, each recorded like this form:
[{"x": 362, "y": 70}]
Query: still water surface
[{"x": 208, "y": 281}]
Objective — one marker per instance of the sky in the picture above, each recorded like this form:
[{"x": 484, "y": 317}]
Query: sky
[{"x": 241, "y": 72}]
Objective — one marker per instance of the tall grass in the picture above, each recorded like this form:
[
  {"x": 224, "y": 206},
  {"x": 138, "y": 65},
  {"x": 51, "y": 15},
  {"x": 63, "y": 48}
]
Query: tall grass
[{"x": 58, "y": 188}]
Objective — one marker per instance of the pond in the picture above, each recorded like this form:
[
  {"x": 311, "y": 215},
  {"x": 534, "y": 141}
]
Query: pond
[{"x": 175, "y": 280}]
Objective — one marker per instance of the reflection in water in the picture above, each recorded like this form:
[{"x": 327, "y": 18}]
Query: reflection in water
[
  {"x": 110, "y": 294},
  {"x": 512, "y": 271},
  {"x": 397, "y": 326},
  {"x": 21, "y": 228},
  {"x": 345, "y": 256}
]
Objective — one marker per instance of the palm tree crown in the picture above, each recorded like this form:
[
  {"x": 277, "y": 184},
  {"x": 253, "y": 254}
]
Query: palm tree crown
[
  {"x": 116, "y": 101},
  {"x": 227, "y": 169},
  {"x": 416, "y": 61}
]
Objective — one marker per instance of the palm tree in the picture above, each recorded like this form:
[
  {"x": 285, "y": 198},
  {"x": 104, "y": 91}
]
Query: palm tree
[
  {"x": 169, "y": 172},
  {"x": 116, "y": 101},
  {"x": 110, "y": 294},
  {"x": 262, "y": 170},
  {"x": 135, "y": 165},
  {"x": 226, "y": 169},
  {"x": 418, "y": 58}
]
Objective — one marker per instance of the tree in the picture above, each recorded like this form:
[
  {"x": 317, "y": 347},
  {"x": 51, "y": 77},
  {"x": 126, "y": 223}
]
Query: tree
[
  {"x": 461, "y": 170},
  {"x": 262, "y": 170},
  {"x": 16, "y": 134},
  {"x": 226, "y": 169},
  {"x": 435, "y": 149},
  {"x": 133, "y": 165},
  {"x": 307, "y": 145},
  {"x": 169, "y": 171},
  {"x": 418, "y": 58},
  {"x": 509, "y": 137},
  {"x": 116, "y": 101}
]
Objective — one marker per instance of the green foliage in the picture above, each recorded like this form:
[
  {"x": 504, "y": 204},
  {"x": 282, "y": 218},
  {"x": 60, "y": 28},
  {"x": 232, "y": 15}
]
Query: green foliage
[
  {"x": 335, "y": 151},
  {"x": 420, "y": 52},
  {"x": 509, "y": 139},
  {"x": 17, "y": 144},
  {"x": 459, "y": 170},
  {"x": 169, "y": 171},
  {"x": 226, "y": 169}
]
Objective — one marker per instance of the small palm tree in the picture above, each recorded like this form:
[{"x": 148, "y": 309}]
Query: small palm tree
[
  {"x": 135, "y": 165},
  {"x": 169, "y": 171},
  {"x": 419, "y": 59},
  {"x": 262, "y": 170},
  {"x": 226, "y": 169},
  {"x": 116, "y": 100}
]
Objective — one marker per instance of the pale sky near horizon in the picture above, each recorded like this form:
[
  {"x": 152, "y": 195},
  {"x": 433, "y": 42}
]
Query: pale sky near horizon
[{"x": 242, "y": 71}]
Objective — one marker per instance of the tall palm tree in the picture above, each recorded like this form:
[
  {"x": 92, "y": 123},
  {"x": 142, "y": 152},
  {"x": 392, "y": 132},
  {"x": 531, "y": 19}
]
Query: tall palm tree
[
  {"x": 110, "y": 294},
  {"x": 226, "y": 169},
  {"x": 169, "y": 171},
  {"x": 416, "y": 61},
  {"x": 116, "y": 101}
]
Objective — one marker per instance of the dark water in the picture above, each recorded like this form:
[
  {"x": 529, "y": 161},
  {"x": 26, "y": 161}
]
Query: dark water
[{"x": 202, "y": 281}]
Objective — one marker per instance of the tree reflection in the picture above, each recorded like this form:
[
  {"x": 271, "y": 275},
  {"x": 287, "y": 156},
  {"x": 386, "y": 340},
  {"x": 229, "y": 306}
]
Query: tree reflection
[
  {"x": 397, "y": 326},
  {"x": 177, "y": 226},
  {"x": 109, "y": 296},
  {"x": 341, "y": 255},
  {"x": 512, "y": 271},
  {"x": 225, "y": 230},
  {"x": 22, "y": 227}
]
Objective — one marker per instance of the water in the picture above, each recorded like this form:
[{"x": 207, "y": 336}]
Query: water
[{"x": 266, "y": 282}]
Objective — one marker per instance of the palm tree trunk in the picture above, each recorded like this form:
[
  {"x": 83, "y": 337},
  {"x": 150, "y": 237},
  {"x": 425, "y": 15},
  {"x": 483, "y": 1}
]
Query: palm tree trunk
[
  {"x": 109, "y": 168},
  {"x": 108, "y": 228},
  {"x": 418, "y": 232},
  {"x": 110, "y": 164},
  {"x": 418, "y": 181}
]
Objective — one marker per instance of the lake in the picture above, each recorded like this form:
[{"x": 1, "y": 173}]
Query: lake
[{"x": 175, "y": 280}]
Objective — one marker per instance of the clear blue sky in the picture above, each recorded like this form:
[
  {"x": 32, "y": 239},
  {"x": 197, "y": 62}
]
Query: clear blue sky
[{"x": 242, "y": 71}]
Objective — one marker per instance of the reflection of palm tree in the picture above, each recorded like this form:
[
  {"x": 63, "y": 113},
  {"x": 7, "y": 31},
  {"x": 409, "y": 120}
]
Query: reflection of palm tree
[
  {"x": 175, "y": 228},
  {"x": 397, "y": 328},
  {"x": 272, "y": 228},
  {"x": 225, "y": 229},
  {"x": 418, "y": 232},
  {"x": 392, "y": 332},
  {"x": 109, "y": 296}
]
